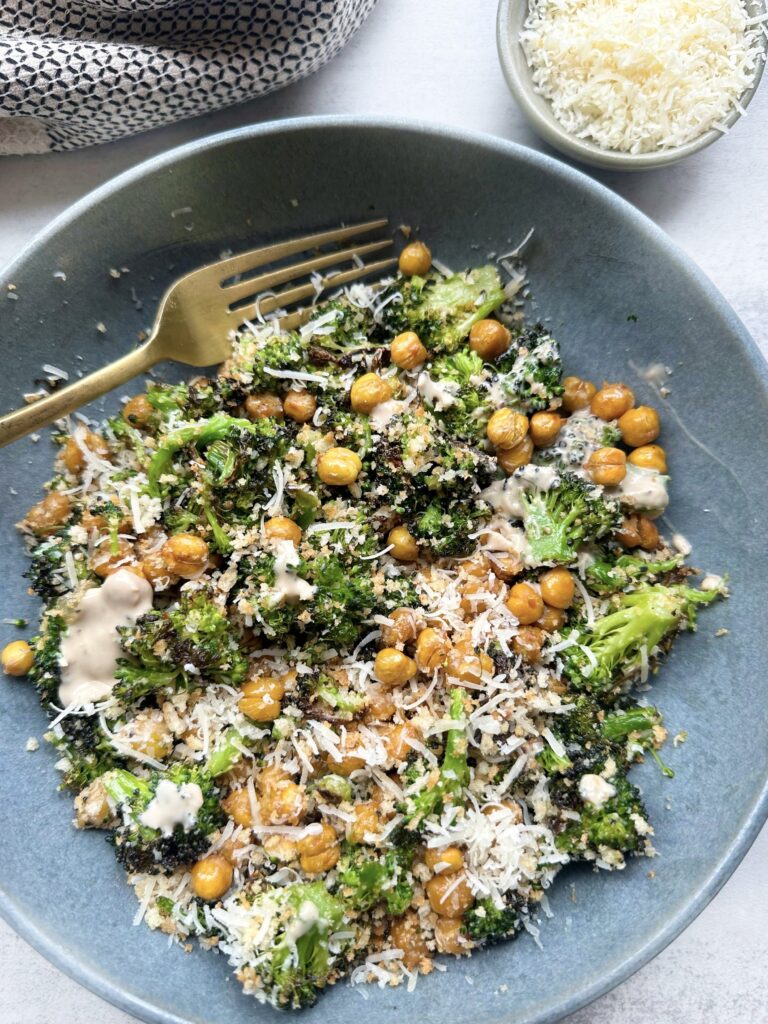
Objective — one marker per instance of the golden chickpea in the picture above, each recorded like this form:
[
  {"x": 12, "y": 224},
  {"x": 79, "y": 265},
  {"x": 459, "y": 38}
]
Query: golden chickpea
[
  {"x": 369, "y": 391},
  {"x": 261, "y": 698},
  {"x": 612, "y": 401},
  {"x": 432, "y": 649},
  {"x": 281, "y": 800},
  {"x": 490, "y": 339},
  {"x": 545, "y": 426},
  {"x": 320, "y": 852},
  {"x": 338, "y": 467},
  {"x": 415, "y": 259},
  {"x": 238, "y": 806},
  {"x": 466, "y": 664},
  {"x": 367, "y": 824},
  {"x": 477, "y": 595},
  {"x": 148, "y": 734},
  {"x": 282, "y": 528},
  {"x": 404, "y": 546},
  {"x": 449, "y": 937},
  {"x": 551, "y": 620},
  {"x": 137, "y": 411},
  {"x": 507, "y": 428},
  {"x": 396, "y": 740},
  {"x": 393, "y": 668},
  {"x": 154, "y": 569},
  {"x": 73, "y": 456},
  {"x": 607, "y": 466},
  {"x": 445, "y": 861},
  {"x": 300, "y": 406},
  {"x": 185, "y": 554},
  {"x": 105, "y": 562},
  {"x": 525, "y": 603},
  {"x": 17, "y": 658},
  {"x": 211, "y": 877},
  {"x": 405, "y": 934},
  {"x": 447, "y": 898},
  {"x": 381, "y": 704},
  {"x": 263, "y": 406},
  {"x": 577, "y": 393},
  {"x": 557, "y": 588},
  {"x": 649, "y": 456},
  {"x": 506, "y": 567},
  {"x": 639, "y": 426},
  {"x": 404, "y": 628},
  {"x": 47, "y": 515},
  {"x": 511, "y": 459},
  {"x": 528, "y": 643},
  {"x": 407, "y": 351},
  {"x": 349, "y": 762},
  {"x": 638, "y": 532}
]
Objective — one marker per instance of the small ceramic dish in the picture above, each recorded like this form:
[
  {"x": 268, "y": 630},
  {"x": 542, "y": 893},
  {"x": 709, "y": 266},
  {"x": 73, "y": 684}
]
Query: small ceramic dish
[{"x": 509, "y": 23}]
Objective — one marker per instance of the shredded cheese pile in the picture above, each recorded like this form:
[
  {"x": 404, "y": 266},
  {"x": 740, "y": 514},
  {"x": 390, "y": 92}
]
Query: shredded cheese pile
[{"x": 641, "y": 75}]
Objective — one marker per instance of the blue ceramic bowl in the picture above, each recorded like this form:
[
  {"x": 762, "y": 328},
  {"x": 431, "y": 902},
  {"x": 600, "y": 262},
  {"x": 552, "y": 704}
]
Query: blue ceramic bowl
[{"x": 618, "y": 296}]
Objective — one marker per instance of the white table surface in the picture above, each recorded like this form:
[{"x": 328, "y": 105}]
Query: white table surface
[{"x": 436, "y": 59}]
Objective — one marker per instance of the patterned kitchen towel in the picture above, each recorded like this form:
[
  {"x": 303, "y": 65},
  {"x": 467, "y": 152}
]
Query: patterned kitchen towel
[{"x": 78, "y": 72}]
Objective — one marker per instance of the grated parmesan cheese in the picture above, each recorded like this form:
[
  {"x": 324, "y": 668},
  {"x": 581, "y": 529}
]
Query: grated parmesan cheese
[{"x": 641, "y": 75}]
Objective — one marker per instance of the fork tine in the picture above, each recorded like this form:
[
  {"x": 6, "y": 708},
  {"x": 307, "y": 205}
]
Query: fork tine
[
  {"x": 245, "y": 289},
  {"x": 255, "y": 258},
  {"x": 305, "y": 291}
]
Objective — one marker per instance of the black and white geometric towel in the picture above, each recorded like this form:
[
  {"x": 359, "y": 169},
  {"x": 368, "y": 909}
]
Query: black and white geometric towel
[{"x": 78, "y": 72}]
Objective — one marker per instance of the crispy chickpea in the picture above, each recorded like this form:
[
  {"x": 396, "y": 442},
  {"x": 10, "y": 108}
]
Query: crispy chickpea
[
  {"x": 281, "y": 800},
  {"x": 507, "y": 428},
  {"x": 349, "y": 762},
  {"x": 381, "y": 705},
  {"x": 415, "y": 259},
  {"x": 432, "y": 649},
  {"x": 137, "y": 411},
  {"x": 449, "y": 937},
  {"x": 405, "y": 934},
  {"x": 338, "y": 467},
  {"x": 211, "y": 877},
  {"x": 282, "y": 528},
  {"x": 607, "y": 466},
  {"x": 466, "y": 664},
  {"x": 506, "y": 566},
  {"x": 612, "y": 401},
  {"x": 154, "y": 568},
  {"x": 404, "y": 546},
  {"x": 447, "y": 898},
  {"x": 280, "y": 848},
  {"x": 545, "y": 426},
  {"x": 393, "y": 668},
  {"x": 300, "y": 406},
  {"x": 366, "y": 826},
  {"x": 106, "y": 562},
  {"x": 577, "y": 393},
  {"x": 263, "y": 406},
  {"x": 489, "y": 338},
  {"x": 639, "y": 426},
  {"x": 404, "y": 628},
  {"x": 638, "y": 532},
  {"x": 17, "y": 658},
  {"x": 369, "y": 391},
  {"x": 396, "y": 740},
  {"x": 511, "y": 459},
  {"x": 446, "y": 861},
  {"x": 528, "y": 642},
  {"x": 407, "y": 351},
  {"x": 48, "y": 514},
  {"x": 238, "y": 806},
  {"x": 319, "y": 852},
  {"x": 557, "y": 588},
  {"x": 551, "y": 620},
  {"x": 525, "y": 603},
  {"x": 261, "y": 698},
  {"x": 649, "y": 456},
  {"x": 148, "y": 734},
  {"x": 185, "y": 554},
  {"x": 73, "y": 456},
  {"x": 477, "y": 595}
]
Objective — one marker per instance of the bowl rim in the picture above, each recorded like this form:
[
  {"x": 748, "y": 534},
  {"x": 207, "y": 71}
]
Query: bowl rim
[
  {"x": 87, "y": 974},
  {"x": 539, "y": 114}
]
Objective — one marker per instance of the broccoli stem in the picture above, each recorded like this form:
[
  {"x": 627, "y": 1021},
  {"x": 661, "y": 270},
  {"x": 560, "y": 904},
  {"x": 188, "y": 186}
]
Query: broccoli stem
[
  {"x": 216, "y": 428},
  {"x": 454, "y": 771},
  {"x": 227, "y": 755}
]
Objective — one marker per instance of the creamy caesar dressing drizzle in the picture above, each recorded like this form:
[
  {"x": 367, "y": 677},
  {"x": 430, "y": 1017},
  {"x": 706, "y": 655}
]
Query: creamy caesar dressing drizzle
[
  {"x": 642, "y": 490},
  {"x": 306, "y": 919},
  {"x": 91, "y": 646},
  {"x": 288, "y": 586},
  {"x": 171, "y": 806},
  {"x": 441, "y": 395},
  {"x": 504, "y": 496}
]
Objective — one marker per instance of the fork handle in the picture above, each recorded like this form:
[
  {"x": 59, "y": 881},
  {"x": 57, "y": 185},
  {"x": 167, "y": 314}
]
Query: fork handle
[{"x": 39, "y": 414}]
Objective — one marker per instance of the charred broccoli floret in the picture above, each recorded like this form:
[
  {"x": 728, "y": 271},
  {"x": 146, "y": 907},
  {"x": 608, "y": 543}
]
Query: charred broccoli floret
[
  {"x": 559, "y": 520},
  {"x": 618, "y": 823},
  {"x": 366, "y": 878},
  {"x": 609, "y": 575},
  {"x": 530, "y": 371},
  {"x": 485, "y": 923},
  {"x": 462, "y": 374},
  {"x": 447, "y": 530}
]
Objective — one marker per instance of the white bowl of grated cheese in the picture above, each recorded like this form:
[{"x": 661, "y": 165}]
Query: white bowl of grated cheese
[{"x": 632, "y": 84}]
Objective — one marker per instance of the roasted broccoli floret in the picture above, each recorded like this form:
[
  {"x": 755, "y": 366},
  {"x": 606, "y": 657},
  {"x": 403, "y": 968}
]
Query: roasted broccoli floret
[
  {"x": 447, "y": 530},
  {"x": 181, "y": 648},
  {"x": 454, "y": 771},
  {"x": 607, "y": 575},
  {"x": 618, "y": 823},
  {"x": 145, "y": 839},
  {"x": 579, "y": 436},
  {"x": 559, "y": 520},
  {"x": 470, "y": 408},
  {"x": 441, "y": 310},
  {"x": 530, "y": 372},
  {"x": 366, "y": 878},
  {"x": 640, "y": 729},
  {"x": 340, "y": 328},
  {"x": 47, "y": 574},
  {"x": 485, "y": 923},
  {"x": 345, "y": 702},
  {"x": 616, "y": 646}
]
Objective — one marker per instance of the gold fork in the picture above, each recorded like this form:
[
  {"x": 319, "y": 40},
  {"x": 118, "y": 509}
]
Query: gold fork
[{"x": 199, "y": 311}]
